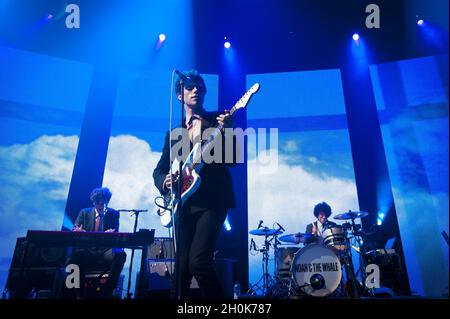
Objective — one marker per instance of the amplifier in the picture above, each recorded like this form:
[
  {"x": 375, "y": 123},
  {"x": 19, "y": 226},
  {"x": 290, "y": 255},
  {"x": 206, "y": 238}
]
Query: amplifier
[
  {"x": 392, "y": 274},
  {"x": 160, "y": 271},
  {"x": 37, "y": 256},
  {"x": 39, "y": 269},
  {"x": 161, "y": 248},
  {"x": 39, "y": 279}
]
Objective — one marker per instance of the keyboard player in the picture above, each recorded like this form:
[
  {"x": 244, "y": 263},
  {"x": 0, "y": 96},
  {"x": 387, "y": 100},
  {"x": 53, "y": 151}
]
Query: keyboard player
[{"x": 99, "y": 218}]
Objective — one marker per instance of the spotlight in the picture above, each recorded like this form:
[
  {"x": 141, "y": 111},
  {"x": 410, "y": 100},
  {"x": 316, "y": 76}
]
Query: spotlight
[
  {"x": 355, "y": 37},
  {"x": 420, "y": 22},
  {"x": 226, "y": 224},
  {"x": 162, "y": 37},
  {"x": 227, "y": 44},
  {"x": 380, "y": 218},
  {"x": 49, "y": 16}
]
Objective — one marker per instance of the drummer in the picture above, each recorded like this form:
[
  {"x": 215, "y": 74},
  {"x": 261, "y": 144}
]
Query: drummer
[{"x": 322, "y": 212}]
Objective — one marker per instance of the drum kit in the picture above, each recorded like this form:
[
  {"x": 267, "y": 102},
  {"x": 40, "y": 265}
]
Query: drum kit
[{"x": 322, "y": 267}]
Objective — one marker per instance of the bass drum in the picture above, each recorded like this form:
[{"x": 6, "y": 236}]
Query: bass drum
[{"x": 316, "y": 270}]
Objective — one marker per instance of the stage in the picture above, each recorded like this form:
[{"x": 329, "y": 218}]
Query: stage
[{"x": 311, "y": 137}]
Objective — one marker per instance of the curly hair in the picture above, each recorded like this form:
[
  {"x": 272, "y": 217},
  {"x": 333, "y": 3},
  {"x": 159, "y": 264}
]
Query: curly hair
[
  {"x": 322, "y": 207},
  {"x": 196, "y": 79},
  {"x": 101, "y": 194}
]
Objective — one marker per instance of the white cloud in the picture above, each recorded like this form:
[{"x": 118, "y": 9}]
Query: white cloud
[
  {"x": 290, "y": 146},
  {"x": 35, "y": 180},
  {"x": 128, "y": 174},
  {"x": 34, "y": 185}
]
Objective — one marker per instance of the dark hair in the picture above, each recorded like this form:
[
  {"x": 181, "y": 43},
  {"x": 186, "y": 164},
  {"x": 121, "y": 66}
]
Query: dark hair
[
  {"x": 195, "y": 77},
  {"x": 101, "y": 194},
  {"x": 322, "y": 207}
]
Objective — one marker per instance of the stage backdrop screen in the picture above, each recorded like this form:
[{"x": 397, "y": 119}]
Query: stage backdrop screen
[
  {"x": 42, "y": 104},
  {"x": 412, "y": 99}
]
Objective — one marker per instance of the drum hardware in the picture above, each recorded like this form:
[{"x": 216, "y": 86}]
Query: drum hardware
[
  {"x": 297, "y": 238},
  {"x": 265, "y": 232},
  {"x": 291, "y": 276},
  {"x": 266, "y": 278},
  {"x": 354, "y": 287},
  {"x": 351, "y": 215}
]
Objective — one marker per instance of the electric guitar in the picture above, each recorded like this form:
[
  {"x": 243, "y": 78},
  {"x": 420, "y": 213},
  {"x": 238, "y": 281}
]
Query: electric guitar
[{"x": 190, "y": 178}]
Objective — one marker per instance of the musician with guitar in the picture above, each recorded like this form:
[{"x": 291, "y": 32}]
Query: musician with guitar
[{"x": 207, "y": 191}]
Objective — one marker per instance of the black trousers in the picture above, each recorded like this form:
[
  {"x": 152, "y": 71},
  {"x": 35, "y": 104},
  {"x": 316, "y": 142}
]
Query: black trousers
[
  {"x": 110, "y": 260},
  {"x": 199, "y": 229}
]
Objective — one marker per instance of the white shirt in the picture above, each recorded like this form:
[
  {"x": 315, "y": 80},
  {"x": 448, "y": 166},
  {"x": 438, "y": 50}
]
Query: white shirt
[
  {"x": 97, "y": 213},
  {"x": 194, "y": 128},
  {"x": 319, "y": 228}
]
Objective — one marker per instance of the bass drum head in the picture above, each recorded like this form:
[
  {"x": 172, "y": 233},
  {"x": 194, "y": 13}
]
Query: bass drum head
[{"x": 319, "y": 268}]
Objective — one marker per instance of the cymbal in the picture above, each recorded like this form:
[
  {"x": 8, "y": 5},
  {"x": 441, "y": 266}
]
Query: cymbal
[
  {"x": 296, "y": 238},
  {"x": 265, "y": 232},
  {"x": 351, "y": 215}
]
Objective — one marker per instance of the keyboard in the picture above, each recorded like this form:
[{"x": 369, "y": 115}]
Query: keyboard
[{"x": 88, "y": 239}]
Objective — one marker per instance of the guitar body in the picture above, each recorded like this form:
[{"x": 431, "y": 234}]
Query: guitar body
[
  {"x": 190, "y": 177},
  {"x": 190, "y": 182}
]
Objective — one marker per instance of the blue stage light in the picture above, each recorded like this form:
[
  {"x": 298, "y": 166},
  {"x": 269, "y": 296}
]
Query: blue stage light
[
  {"x": 226, "y": 224},
  {"x": 355, "y": 37},
  {"x": 162, "y": 37},
  {"x": 420, "y": 22},
  {"x": 380, "y": 218},
  {"x": 227, "y": 44}
]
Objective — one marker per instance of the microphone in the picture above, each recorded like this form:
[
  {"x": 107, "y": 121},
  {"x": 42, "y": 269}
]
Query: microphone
[
  {"x": 281, "y": 227},
  {"x": 260, "y": 224},
  {"x": 182, "y": 76},
  {"x": 252, "y": 245}
]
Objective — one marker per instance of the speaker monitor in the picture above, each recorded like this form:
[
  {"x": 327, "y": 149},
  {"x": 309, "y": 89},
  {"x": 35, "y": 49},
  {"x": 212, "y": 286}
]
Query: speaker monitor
[
  {"x": 37, "y": 256},
  {"x": 35, "y": 270},
  {"x": 159, "y": 273}
]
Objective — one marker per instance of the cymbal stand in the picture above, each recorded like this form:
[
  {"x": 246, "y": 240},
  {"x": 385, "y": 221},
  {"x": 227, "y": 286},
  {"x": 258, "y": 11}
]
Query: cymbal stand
[
  {"x": 280, "y": 287},
  {"x": 346, "y": 258},
  {"x": 359, "y": 237},
  {"x": 266, "y": 278}
]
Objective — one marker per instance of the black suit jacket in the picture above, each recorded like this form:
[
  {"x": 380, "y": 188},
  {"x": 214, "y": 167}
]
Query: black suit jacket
[
  {"x": 216, "y": 189},
  {"x": 86, "y": 217}
]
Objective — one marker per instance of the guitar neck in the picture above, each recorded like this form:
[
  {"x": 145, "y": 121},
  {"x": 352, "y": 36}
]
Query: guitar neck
[{"x": 206, "y": 145}]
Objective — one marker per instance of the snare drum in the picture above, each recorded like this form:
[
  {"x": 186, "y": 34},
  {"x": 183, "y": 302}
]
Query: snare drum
[
  {"x": 316, "y": 270},
  {"x": 335, "y": 237}
]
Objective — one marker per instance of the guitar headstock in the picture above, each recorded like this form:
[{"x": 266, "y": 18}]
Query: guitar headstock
[{"x": 243, "y": 101}]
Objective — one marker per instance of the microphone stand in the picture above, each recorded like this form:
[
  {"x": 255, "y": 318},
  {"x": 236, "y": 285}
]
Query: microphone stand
[
  {"x": 177, "y": 219},
  {"x": 136, "y": 214}
]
